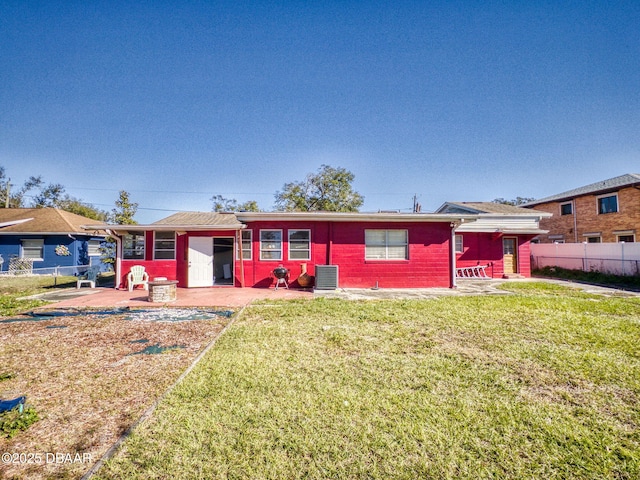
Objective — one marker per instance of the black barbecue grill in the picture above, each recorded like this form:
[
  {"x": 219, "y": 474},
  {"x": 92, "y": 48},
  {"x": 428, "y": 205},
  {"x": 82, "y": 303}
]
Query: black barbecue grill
[{"x": 281, "y": 274}]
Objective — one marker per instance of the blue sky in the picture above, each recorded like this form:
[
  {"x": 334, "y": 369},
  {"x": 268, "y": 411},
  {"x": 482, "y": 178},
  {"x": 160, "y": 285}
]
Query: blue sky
[{"x": 175, "y": 102}]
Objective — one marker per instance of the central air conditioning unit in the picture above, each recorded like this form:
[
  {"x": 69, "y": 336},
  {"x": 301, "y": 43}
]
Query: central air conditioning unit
[{"x": 326, "y": 277}]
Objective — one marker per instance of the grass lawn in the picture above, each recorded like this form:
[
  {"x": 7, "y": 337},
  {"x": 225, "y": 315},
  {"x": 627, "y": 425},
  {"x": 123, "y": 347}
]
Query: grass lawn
[
  {"x": 629, "y": 282},
  {"x": 544, "y": 383},
  {"x": 14, "y": 288}
]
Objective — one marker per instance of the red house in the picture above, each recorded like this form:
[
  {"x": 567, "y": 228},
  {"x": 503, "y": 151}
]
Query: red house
[
  {"x": 499, "y": 239},
  {"x": 357, "y": 250}
]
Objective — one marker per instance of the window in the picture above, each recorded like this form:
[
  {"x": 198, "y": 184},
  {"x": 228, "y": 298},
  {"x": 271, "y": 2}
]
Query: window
[
  {"x": 133, "y": 246},
  {"x": 626, "y": 238},
  {"x": 247, "y": 238},
  {"x": 566, "y": 208},
  {"x": 594, "y": 239},
  {"x": 459, "y": 244},
  {"x": 608, "y": 204},
  {"x": 270, "y": 244},
  {"x": 164, "y": 246},
  {"x": 33, "y": 249},
  {"x": 93, "y": 248},
  {"x": 386, "y": 245},
  {"x": 300, "y": 244}
]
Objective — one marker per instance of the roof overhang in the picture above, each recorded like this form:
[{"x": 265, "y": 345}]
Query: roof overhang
[
  {"x": 155, "y": 227},
  {"x": 453, "y": 219},
  {"x": 525, "y": 231},
  {"x": 534, "y": 214},
  {"x": 504, "y": 231},
  {"x": 14, "y": 222},
  {"x": 354, "y": 217},
  {"x": 40, "y": 234}
]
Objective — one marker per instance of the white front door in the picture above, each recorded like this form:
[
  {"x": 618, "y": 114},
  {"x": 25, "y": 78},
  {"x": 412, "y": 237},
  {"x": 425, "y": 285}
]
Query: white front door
[{"x": 200, "y": 262}]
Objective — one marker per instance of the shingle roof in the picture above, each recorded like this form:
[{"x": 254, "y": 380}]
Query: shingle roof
[
  {"x": 483, "y": 207},
  {"x": 598, "y": 187},
  {"x": 200, "y": 219},
  {"x": 42, "y": 220}
]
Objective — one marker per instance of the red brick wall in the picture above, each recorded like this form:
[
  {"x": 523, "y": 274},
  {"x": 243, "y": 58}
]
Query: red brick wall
[
  {"x": 258, "y": 272},
  {"x": 486, "y": 249},
  {"x": 588, "y": 220},
  {"x": 428, "y": 264},
  {"x": 342, "y": 243}
]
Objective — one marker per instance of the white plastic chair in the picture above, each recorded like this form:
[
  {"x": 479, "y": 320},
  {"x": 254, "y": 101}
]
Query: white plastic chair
[
  {"x": 88, "y": 277},
  {"x": 137, "y": 276}
]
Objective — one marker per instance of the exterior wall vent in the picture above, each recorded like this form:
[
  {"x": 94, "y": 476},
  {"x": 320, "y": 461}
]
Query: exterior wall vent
[{"x": 326, "y": 277}]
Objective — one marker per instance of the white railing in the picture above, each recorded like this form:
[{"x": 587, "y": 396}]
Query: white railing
[{"x": 614, "y": 258}]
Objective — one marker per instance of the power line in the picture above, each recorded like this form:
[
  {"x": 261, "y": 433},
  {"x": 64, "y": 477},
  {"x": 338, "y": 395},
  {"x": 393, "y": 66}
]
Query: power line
[
  {"x": 212, "y": 192},
  {"x": 168, "y": 191},
  {"x": 142, "y": 208}
]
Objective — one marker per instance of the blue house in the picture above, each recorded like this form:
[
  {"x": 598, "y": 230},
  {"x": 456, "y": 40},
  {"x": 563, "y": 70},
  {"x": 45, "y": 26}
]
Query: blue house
[{"x": 45, "y": 238}]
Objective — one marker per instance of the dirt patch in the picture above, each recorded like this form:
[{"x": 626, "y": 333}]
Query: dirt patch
[{"x": 86, "y": 383}]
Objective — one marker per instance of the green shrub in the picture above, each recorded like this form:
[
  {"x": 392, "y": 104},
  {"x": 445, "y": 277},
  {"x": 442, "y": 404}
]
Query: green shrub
[{"x": 13, "y": 421}]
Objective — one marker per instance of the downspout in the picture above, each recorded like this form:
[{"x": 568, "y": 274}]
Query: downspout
[
  {"x": 239, "y": 237},
  {"x": 75, "y": 251},
  {"x": 452, "y": 255},
  {"x": 575, "y": 222},
  {"x": 117, "y": 266},
  {"x": 330, "y": 242}
]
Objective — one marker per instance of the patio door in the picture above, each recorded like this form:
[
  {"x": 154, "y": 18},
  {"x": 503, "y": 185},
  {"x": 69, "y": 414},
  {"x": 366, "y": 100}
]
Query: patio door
[
  {"x": 510, "y": 255},
  {"x": 200, "y": 272},
  {"x": 223, "y": 253}
]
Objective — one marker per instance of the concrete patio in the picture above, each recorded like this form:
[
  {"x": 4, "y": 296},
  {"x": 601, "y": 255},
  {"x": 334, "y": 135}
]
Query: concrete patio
[
  {"x": 238, "y": 297},
  {"x": 186, "y": 297}
]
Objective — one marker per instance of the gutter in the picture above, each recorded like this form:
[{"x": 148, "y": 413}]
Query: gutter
[
  {"x": 117, "y": 266},
  {"x": 14, "y": 222},
  {"x": 40, "y": 232},
  {"x": 164, "y": 228},
  {"x": 452, "y": 254},
  {"x": 354, "y": 217}
]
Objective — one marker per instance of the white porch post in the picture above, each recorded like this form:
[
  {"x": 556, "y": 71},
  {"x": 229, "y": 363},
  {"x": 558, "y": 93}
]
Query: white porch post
[{"x": 452, "y": 255}]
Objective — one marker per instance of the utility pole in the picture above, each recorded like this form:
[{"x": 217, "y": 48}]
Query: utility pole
[
  {"x": 6, "y": 200},
  {"x": 417, "y": 208}
]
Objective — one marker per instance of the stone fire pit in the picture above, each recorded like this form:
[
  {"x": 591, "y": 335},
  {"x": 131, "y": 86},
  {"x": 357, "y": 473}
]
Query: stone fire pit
[{"x": 162, "y": 291}]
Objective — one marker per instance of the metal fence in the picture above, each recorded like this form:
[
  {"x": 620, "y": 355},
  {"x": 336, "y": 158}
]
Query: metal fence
[
  {"x": 614, "y": 258},
  {"x": 50, "y": 271}
]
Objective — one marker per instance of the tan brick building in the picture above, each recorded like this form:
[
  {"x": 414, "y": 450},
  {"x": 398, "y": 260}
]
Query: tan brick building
[{"x": 606, "y": 211}]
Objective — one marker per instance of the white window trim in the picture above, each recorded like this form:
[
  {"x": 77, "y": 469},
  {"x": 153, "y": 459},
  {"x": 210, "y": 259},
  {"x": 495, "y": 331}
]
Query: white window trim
[
  {"x": 263, "y": 250},
  {"x": 155, "y": 249},
  {"x": 625, "y": 235},
  {"x": 461, "y": 237},
  {"x": 566, "y": 203},
  {"x": 588, "y": 236},
  {"x": 39, "y": 240},
  {"x": 289, "y": 232},
  {"x": 607, "y": 195},
  {"x": 250, "y": 240},
  {"x": 386, "y": 245},
  {"x": 144, "y": 249},
  {"x": 96, "y": 250}
]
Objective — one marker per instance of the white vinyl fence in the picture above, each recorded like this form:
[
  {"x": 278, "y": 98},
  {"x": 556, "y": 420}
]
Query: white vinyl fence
[{"x": 613, "y": 258}]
